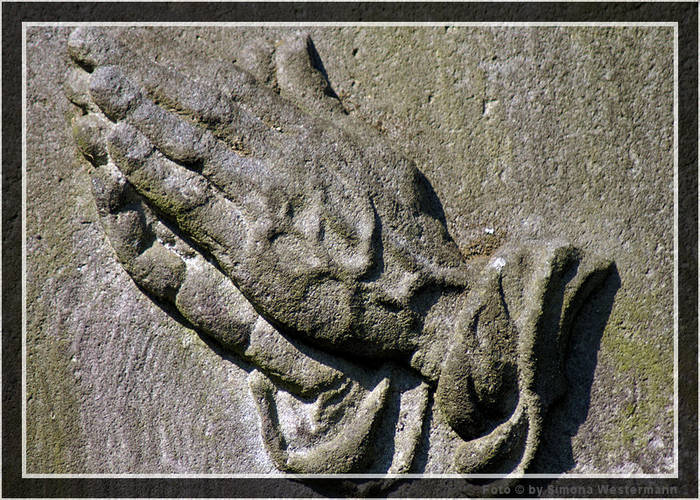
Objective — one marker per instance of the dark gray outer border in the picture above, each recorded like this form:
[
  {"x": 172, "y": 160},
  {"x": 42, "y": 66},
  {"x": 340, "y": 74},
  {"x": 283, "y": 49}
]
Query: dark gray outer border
[{"x": 13, "y": 14}]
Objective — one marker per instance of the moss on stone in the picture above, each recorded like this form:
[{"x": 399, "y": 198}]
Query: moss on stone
[
  {"x": 646, "y": 371},
  {"x": 53, "y": 410}
]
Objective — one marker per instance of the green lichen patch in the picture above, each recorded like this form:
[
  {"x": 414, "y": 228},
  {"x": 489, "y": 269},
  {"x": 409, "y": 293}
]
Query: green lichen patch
[
  {"x": 53, "y": 410},
  {"x": 643, "y": 368}
]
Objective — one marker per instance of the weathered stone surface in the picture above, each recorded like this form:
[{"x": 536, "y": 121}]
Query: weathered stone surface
[{"x": 524, "y": 134}]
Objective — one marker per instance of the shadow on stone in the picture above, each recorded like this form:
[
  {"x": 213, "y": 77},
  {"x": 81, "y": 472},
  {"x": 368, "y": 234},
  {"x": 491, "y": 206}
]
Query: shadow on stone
[
  {"x": 568, "y": 414},
  {"x": 317, "y": 64}
]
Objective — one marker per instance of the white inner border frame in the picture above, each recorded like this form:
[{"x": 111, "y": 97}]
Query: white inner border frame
[{"x": 674, "y": 25}]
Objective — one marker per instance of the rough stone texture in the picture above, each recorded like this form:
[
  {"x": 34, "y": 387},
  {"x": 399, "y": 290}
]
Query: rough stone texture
[{"x": 523, "y": 133}]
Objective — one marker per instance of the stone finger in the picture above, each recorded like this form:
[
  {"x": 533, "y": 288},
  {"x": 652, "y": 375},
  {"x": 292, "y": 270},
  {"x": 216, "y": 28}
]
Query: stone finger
[
  {"x": 199, "y": 211},
  {"x": 301, "y": 77},
  {"x": 93, "y": 48},
  {"x": 175, "y": 137},
  {"x": 211, "y": 302},
  {"x": 167, "y": 268},
  {"x": 76, "y": 89},
  {"x": 256, "y": 59},
  {"x": 121, "y": 100},
  {"x": 304, "y": 374},
  {"x": 90, "y": 47},
  {"x": 90, "y": 132},
  {"x": 127, "y": 222},
  {"x": 228, "y": 92}
]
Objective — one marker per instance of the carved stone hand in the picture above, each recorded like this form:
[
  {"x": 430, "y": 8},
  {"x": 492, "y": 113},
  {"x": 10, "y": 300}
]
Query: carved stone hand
[{"x": 309, "y": 247}]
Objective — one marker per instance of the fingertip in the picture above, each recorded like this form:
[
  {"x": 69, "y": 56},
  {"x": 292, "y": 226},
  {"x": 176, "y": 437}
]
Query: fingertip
[
  {"x": 89, "y": 132},
  {"x": 109, "y": 188},
  {"x": 113, "y": 92},
  {"x": 127, "y": 231},
  {"x": 76, "y": 88},
  {"x": 83, "y": 46},
  {"x": 256, "y": 59},
  {"x": 293, "y": 54},
  {"x": 128, "y": 147},
  {"x": 159, "y": 271},
  {"x": 300, "y": 74},
  {"x": 296, "y": 42},
  {"x": 77, "y": 43}
]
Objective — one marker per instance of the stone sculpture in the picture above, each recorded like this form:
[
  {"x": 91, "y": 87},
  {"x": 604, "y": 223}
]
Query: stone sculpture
[{"x": 272, "y": 222}]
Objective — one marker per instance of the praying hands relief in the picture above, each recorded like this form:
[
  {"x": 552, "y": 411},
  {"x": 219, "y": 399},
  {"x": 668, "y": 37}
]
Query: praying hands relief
[{"x": 259, "y": 211}]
